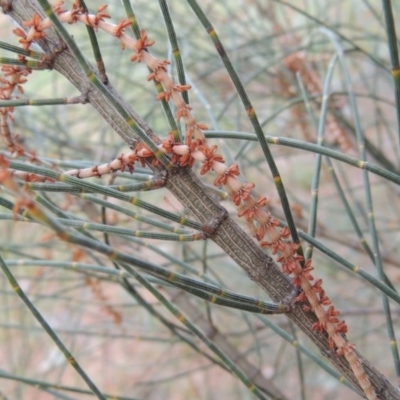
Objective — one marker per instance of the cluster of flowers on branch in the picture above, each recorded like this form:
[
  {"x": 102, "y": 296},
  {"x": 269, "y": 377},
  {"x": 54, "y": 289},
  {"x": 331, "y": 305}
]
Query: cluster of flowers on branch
[
  {"x": 264, "y": 227},
  {"x": 12, "y": 80}
]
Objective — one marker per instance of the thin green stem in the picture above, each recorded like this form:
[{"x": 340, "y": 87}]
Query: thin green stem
[
  {"x": 352, "y": 267},
  {"x": 311, "y": 147},
  {"x": 94, "y": 187},
  {"x": 165, "y": 105},
  {"x": 317, "y": 359},
  {"x": 18, "y": 50},
  {"x": 299, "y": 363},
  {"x": 369, "y": 201},
  {"x": 48, "y": 385},
  {"x": 131, "y": 121},
  {"x": 67, "y": 354},
  {"x": 95, "y": 47},
  {"x": 394, "y": 57},
  {"x": 36, "y": 65},
  {"x": 42, "y": 102},
  {"x": 251, "y": 114},
  {"x": 342, "y": 194},
  {"x": 197, "y": 332},
  {"x": 175, "y": 46},
  {"x": 318, "y": 160}
]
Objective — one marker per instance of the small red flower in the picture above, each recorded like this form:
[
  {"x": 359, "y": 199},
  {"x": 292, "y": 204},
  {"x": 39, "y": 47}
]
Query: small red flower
[
  {"x": 318, "y": 326},
  {"x": 166, "y": 95},
  {"x": 305, "y": 273},
  {"x": 58, "y": 7},
  {"x": 341, "y": 327},
  {"x": 348, "y": 348},
  {"x": 124, "y": 23},
  {"x": 36, "y": 32},
  {"x": 291, "y": 264},
  {"x": 301, "y": 298},
  {"x": 331, "y": 315},
  {"x": 250, "y": 211},
  {"x": 169, "y": 142},
  {"x": 195, "y": 129},
  {"x": 181, "y": 88},
  {"x": 161, "y": 65},
  {"x": 128, "y": 164},
  {"x": 101, "y": 14},
  {"x": 323, "y": 299},
  {"x": 211, "y": 156},
  {"x": 141, "y": 44},
  {"x": 243, "y": 193},
  {"x": 317, "y": 287},
  {"x": 232, "y": 171},
  {"x": 183, "y": 111},
  {"x": 267, "y": 225},
  {"x": 277, "y": 245},
  {"x": 143, "y": 152},
  {"x": 187, "y": 159}
]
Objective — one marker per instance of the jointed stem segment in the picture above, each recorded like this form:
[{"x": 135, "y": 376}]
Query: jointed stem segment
[{"x": 211, "y": 227}]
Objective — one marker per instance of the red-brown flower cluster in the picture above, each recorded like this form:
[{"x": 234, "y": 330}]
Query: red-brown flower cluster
[{"x": 141, "y": 44}]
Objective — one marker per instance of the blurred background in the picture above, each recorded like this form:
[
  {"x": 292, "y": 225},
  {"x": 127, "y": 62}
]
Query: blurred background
[{"x": 310, "y": 68}]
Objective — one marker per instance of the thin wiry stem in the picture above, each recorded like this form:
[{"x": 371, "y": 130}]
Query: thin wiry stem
[
  {"x": 192, "y": 327},
  {"x": 93, "y": 79},
  {"x": 342, "y": 195},
  {"x": 290, "y": 339},
  {"x": 302, "y": 145},
  {"x": 394, "y": 58},
  {"x": 369, "y": 202},
  {"x": 175, "y": 46},
  {"x": 166, "y": 107},
  {"x": 252, "y": 116},
  {"x": 49, "y": 385},
  {"x": 96, "y": 48},
  {"x": 67, "y": 354}
]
